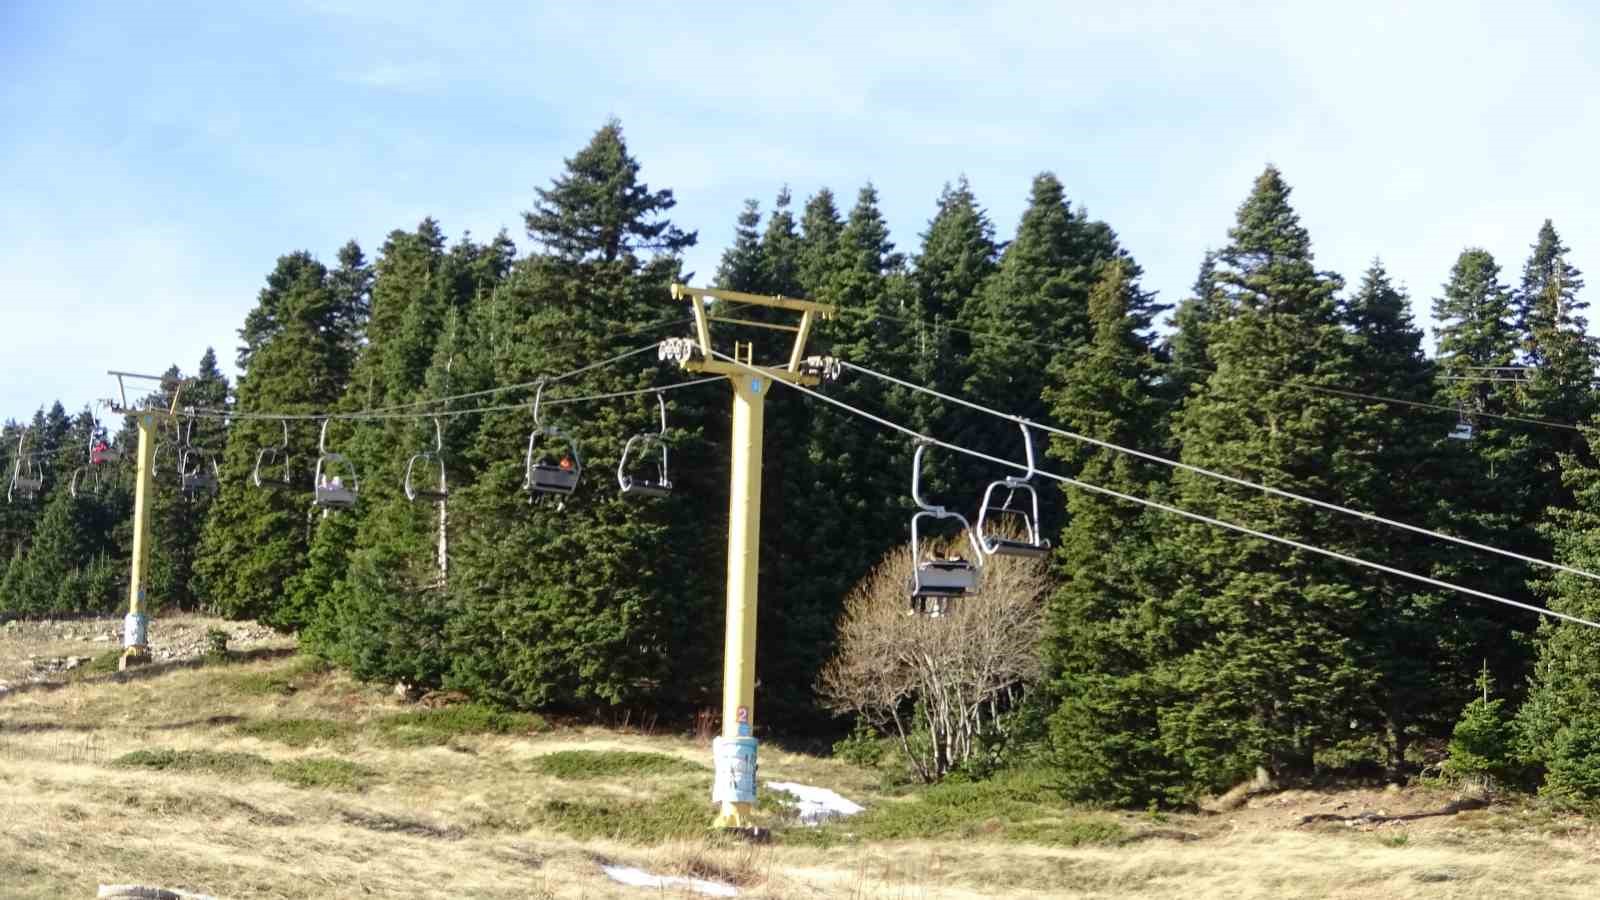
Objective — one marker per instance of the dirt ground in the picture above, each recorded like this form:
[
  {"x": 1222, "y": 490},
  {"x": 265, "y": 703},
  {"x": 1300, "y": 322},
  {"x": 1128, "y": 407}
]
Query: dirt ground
[
  {"x": 42, "y": 651},
  {"x": 477, "y": 815}
]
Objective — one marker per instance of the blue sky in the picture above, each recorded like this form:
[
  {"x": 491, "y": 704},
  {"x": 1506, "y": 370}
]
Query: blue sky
[{"x": 155, "y": 161}]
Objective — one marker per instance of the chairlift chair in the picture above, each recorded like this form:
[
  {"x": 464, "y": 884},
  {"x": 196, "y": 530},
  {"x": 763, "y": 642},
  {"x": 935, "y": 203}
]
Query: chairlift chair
[
  {"x": 434, "y": 457},
  {"x": 640, "y": 484},
  {"x": 197, "y": 472},
  {"x": 329, "y": 487},
  {"x": 85, "y": 480},
  {"x": 1029, "y": 545},
  {"x": 102, "y": 453},
  {"x": 541, "y": 476},
  {"x": 27, "y": 476},
  {"x": 269, "y": 458},
  {"x": 935, "y": 582}
]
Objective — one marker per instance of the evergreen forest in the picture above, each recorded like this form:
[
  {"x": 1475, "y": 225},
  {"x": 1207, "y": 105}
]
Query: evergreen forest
[{"x": 1173, "y": 659}]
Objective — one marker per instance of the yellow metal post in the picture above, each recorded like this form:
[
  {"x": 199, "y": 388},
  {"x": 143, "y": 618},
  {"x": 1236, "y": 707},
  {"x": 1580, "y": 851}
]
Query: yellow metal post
[
  {"x": 136, "y": 627},
  {"x": 734, "y": 785},
  {"x": 744, "y": 554}
]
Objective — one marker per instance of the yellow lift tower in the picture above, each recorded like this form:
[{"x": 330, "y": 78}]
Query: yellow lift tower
[
  {"x": 136, "y": 627},
  {"x": 735, "y": 751}
]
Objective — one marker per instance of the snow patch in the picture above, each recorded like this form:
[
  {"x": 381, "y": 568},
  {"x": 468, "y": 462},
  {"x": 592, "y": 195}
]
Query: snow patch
[
  {"x": 640, "y": 878},
  {"x": 817, "y": 805}
]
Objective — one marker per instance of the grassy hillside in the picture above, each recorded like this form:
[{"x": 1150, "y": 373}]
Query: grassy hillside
[{"x": 277, "y": 778}]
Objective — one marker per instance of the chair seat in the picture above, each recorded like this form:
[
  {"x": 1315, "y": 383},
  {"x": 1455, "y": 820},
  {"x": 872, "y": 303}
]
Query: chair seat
[{"x": 645, "y": 487}]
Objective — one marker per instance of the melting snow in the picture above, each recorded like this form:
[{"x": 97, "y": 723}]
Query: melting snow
[
  {"x": 817, "y": 805},
  {"x": 640, "y": 878}
]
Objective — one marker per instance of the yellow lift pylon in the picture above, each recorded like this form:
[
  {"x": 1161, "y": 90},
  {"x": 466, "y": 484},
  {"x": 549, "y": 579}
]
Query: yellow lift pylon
[
  {"x": 136, "y": 627},
  {"x": 734, "y": 752}
]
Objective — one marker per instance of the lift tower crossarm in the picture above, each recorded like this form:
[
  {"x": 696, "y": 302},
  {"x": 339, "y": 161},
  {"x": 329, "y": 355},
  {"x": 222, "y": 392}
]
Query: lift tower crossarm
[{"x": 734, "y": 752}]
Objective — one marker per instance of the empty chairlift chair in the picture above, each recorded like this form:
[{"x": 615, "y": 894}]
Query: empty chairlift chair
[
  {"x": 1006, "y": 530},
  {"x": 1463, "y": 429},
  {"x": 266, "y": 473},
  {"x": 197, "y": 469},
  {"x": 334, "y": 485},
  {"x": 432, "y": 459},
  {"x": 935, "y": 582},
  {"x": 633, "y": 469},
  {"x": 542, "y": 476},
  {"x": 27, "y": 477}
]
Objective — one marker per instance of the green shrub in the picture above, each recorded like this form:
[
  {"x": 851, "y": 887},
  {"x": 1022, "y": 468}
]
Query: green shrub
[
  {"x": 217, "y": 644},
  {"x": 283, "y": 680},
  {"x": 324, "y": 772},
  {"x": 1010, "y": 807},
  {"x": 587, "y": 764},
  {"x": 432, "y": 727},
  {"x": 1572, "y": 774},
  {"x": 681, "y": 814},
  {"x": 862, "y": 747},
  {"x": 1481, "y": 747},
  {"x": 216, "y": 762},
  {"x": 294, "y": 732}
]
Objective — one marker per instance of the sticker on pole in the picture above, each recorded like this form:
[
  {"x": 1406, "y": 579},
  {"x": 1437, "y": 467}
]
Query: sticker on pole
[
  {"x": 735, "y": 780},
  {"x": 755, "y": 385},
  {"x": 741, "y": 719}
]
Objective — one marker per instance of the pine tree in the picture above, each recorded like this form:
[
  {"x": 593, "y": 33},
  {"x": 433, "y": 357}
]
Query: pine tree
[
  {"x": 177, "y": 519},
  {"x": 599, "y": 210},
  {"x": 1547, "y": 300},
  {"x": 604, "y": 600},
  {"x": 375, "y": 590},
  {"x": 743, "y": 268},
  {"x": 780, "y": 249},
  {"x": 1420, "y": 636},
  {"x": 1261, "y": 648},
  {"x": 1187, "y": 346},
  {"x": 1562, "y": 709},
  {"x": 820, "y": 228},
  {"x": 958, "y": 256},
  {"x": 1494, "y": 494},
  {"x": 1561, "y": 356},
  {"x": 838, "y": 503},
  {"x": 1103, "y": 734},
  {"x": 295, "y": 360}
]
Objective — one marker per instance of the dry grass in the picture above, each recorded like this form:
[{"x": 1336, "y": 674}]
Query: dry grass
[{"x": 481, "y": 816}]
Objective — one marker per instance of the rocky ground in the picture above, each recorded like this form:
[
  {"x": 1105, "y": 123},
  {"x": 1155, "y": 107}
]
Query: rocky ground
[{"x": 48, "y": 649}]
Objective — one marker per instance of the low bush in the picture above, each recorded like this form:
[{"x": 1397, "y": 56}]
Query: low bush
[{"x": 588, "y": 764}]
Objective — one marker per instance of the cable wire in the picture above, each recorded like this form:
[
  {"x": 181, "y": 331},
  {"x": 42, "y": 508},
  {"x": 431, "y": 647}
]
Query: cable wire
[
  {"x": 453, "y": 413},
  {"x": 384, "y": 412},
  {"x": 1198, "y": 517},
  {"x": 1266, "y": 489},
  {"x": 1296, "y": 385}
]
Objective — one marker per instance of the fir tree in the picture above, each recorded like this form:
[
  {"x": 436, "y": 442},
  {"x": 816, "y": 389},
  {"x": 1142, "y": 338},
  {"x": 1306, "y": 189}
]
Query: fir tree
[
  {"x": 1548, "y": 298},
  {"x": 603, "y": 599},
  {"x": 1562, "y": 710},
  {"x": 743, "y": 268},
  {"x": 1419, "y": 636},
  {"x": 1104, "y": 736},
  {"x": 1495, "y": 493},
  {"x": 780, "y": 249},
  {"x": 295, "y": 360},
  {"x": 1561, "y": 356},
  {"x": 1262, "y": 648},
  {"x": 600, "y": 210},
  {"x": 820, "y": 228}
]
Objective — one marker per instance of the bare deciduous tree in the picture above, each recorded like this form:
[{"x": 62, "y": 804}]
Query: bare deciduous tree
[{"x": 949, "y": 677}]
